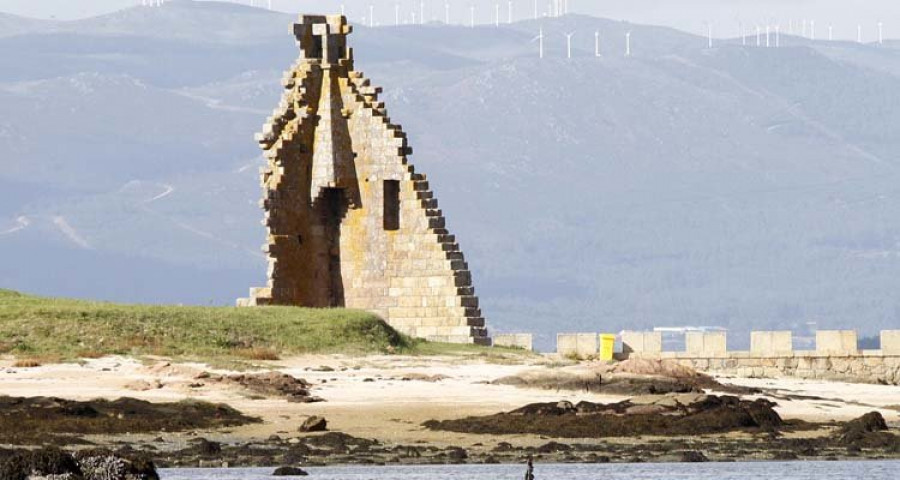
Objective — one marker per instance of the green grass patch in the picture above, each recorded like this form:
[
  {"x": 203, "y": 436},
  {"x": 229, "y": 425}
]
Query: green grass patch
[
  {"x": 498, "y": 355},
  {"x": 47, "y": 330},
  {"x": 36, "y": 327}
]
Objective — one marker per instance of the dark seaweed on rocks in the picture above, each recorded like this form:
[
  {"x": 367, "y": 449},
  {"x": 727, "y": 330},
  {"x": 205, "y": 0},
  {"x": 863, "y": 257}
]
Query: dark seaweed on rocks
[
  {"x": 707, "y": 415},
  {"x": 272, "y": 384},
  {"x": 868, "y": 423},
  {"x": 206, "y": 448},
  {"x": 338, "y": 442},
  {"x": 691, "y": 456},
  {"x": 289, "y": 472},
  {"x": 613, "y": 385},
  {"x": 35, "y": 420},
  {"x": 868, "y": 431},
  {"x": 20, "y": 465}
]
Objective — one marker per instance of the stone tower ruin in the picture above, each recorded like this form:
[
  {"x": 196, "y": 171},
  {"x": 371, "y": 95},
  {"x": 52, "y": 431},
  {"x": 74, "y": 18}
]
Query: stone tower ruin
[{"x": 349, "y": 222}]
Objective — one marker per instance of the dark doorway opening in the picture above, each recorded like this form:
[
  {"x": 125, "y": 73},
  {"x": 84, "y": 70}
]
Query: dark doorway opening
[{"x": 334, "y": 207}]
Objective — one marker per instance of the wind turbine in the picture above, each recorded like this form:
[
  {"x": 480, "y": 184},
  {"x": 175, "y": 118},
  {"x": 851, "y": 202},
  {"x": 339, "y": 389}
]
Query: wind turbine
[
  {"x": 812, "y": 29},
  {"x": 497, "y": 14},
  {"x": 628, "y": 44},
  {"x": 880, "y": 33},
  {"x": 768, "y": 36},
  {"x": 830, "y": 33},
  {"x": 597, "y": 44},
  {"x": 758, "y": 37},
  {"x": 447, "y": 13},
  {"x": 371, "y": 15},
  {"x": 859, "y": 34},
  {"x": 540, "y": 40},
  {"x": 396, "y": 14},
  {"x": 709, "y": 34},
  {"x": 342, "y": 10},
  {"x": 509, "y": 12},
  {"x": 472, "y": 16},
  {"x": 421, "y": 13},
  {"x": 569, "y": 44},
  {"x": 777, "y": 36},
  {"x": 535, "y": 9}
]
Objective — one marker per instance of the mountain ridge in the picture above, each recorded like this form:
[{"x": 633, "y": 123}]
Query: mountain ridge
[{"x": 737, "y": 186}]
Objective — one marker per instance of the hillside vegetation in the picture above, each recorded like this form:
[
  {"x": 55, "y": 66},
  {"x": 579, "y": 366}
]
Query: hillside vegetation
[
  {"x": 40, "y": 327},
  {"x": 733, "y": 186}
]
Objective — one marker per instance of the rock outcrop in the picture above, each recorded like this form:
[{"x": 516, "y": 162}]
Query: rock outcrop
[
  {"x": 667, "y": 415},
  {"x": 55, "y": 464}
]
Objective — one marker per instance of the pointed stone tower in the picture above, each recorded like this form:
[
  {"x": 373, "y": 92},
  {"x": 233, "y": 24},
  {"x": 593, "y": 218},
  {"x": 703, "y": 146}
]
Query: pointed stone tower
[{"x": 349, "y": 222}]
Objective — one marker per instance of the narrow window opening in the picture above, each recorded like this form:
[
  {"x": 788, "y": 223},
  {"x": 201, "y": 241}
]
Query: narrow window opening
[
  {"x": 316, "y": 50},
  {"x": 391, "y": 205}
]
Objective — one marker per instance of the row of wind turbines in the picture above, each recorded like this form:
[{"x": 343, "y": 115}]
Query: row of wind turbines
[
  {"x": 767, "y": 35},
  {"x": 808, "y": 31},
  {"x": 744, "y": 38},
  {"x": 540, "y": 39},
  {"x": 252, "y": 3},
  {"x": 552, "y": 9}
]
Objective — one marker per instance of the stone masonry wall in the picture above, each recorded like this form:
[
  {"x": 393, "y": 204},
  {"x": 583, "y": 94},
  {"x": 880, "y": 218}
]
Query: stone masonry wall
[
  {"x": 335, "y": 238},
  {"x": 525, "y": 341},
  {"x": 868, "y": 367},
  {"x": 836, "y": 357}
]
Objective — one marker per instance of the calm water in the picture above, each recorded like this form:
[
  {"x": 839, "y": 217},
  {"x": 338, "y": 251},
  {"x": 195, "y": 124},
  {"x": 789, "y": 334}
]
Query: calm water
[{"x": 647, "y": 471}]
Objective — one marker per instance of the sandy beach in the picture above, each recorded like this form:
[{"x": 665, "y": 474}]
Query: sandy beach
[{"x": 389, "y": 397}]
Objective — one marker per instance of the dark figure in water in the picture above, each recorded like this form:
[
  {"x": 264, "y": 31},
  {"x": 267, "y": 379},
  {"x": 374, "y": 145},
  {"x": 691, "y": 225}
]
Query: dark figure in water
[{"x": 529, "y": 473}]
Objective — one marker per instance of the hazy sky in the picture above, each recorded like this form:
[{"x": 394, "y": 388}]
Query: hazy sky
[{"x": 690, "y": 15}]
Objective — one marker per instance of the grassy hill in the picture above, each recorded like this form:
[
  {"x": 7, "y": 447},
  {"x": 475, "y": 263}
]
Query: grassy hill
[{"x": 37, "y": 327}]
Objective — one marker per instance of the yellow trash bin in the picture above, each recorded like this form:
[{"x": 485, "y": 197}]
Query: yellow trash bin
[{"x": 607, "y": 346}]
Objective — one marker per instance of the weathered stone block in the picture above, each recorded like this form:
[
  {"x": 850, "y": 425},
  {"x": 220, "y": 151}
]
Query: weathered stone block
[
  {"x": 705, "y": 343},
  {"x": 641, "y": 342},
  {"x": 837, "y": 342},
  {"x": 772, "y": 343},
  {"x": 515, "y": 340},
  {"x": 578, "y": 344},
  {"x": 890, "y": 342}
]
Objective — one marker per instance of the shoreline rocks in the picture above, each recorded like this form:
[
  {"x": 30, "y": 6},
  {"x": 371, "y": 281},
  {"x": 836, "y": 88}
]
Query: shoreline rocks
[
  {"x": 670, "y": 415},
  {"x": 271, "y": 384},
  {"x": 42, "y": 420},
  {"x": 56, "y": 464},
  {"x": 314, "y": 424},
  {"x": 289, "y": 472}
]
